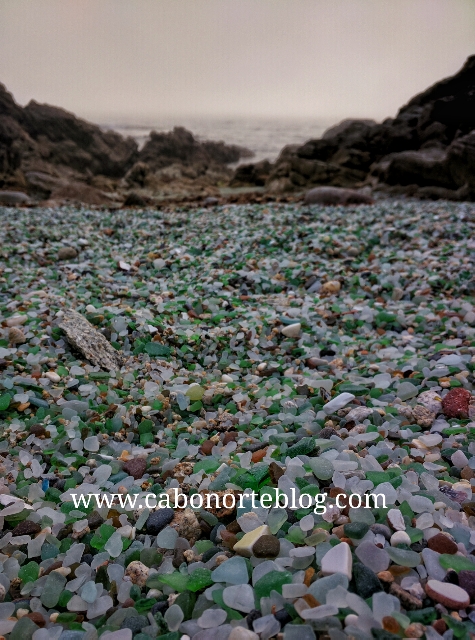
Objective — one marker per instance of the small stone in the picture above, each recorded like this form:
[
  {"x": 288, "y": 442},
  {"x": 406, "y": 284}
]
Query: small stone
[
  {"x": 266, "y": 547},
  {"x": 450, "y": 595},
  {"x": 186, "y": 524},
  {"x": 455, "y": 404},
  {"x": 431, "y": 400},
  {"x": 26, "y": 528},
  {"x": 16, "y": 336},
  {"x": 53, "y": 376},
  {"x": 440, "y": 626},
  {"x": 423, "y": 416},
  {"x": 415, "y": 630},
  {"x": 137, "y": 572},
  {"x": 338, "y": 560},
  {"x": 67, "y": 253},
  {"x": 158, "y": 520},
  {"x": 292, "y": 330},
  {"x": 330, "y": 287},
  {"x": 37, "y": 430},
  {"x": 37, "y": 618},
  {"x": 325, "y": 434},
  {"x": 135, "y": 467},
  {"x": 245, "y": 545},
  {"x": 386, "y": 577},
  {"x": 442, "y": 544},
  {"x": 408, "y": 601},
  {"x": 206, "y": 447}
]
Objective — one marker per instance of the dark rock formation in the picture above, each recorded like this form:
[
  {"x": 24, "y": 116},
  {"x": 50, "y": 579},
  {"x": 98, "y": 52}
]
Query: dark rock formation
[
  {"x": 66, "y": 140},
  {"x": 254, "y": 174},
  {"x": 427, "y": 150},
  {"x": 49, "y": 153},
  {"x": 181, "y": 147}
]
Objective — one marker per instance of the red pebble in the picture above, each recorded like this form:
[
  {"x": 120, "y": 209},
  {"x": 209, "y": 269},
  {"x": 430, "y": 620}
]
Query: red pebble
[
  {"x": 439, "y": 626},
  {"x": 206, "y": 447},
  {"x": 455, "y": 403}
]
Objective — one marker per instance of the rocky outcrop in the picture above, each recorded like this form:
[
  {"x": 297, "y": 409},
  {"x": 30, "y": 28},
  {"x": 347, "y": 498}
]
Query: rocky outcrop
[
  {"x": 49, "y": 153},
  {"x": 181, "y": 147},
  {"x": 255, "y": 174},
  {"x": 63, "y": 139},
  {"x": 427, "y": 150}
]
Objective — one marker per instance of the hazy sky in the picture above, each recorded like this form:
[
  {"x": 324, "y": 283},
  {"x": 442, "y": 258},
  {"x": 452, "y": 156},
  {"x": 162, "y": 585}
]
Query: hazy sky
[{"x": 109, "y": 59}]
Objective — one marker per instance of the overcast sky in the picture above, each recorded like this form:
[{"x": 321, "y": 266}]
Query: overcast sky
[{"x": 108, "y": 59}]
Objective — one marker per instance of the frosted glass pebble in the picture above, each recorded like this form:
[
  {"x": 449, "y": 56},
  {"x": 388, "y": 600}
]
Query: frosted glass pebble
[{"x": 212, "y": 618}]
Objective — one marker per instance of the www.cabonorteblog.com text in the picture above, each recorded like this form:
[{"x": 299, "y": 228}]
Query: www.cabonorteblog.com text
[{"x": 228, "y": 500}]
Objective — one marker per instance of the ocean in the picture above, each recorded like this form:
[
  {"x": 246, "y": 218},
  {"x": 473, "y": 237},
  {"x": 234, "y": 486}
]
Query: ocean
[{"x": 265, "y": 137}]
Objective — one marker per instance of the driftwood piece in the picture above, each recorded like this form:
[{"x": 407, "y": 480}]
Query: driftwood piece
[{"x": 83, "y": 337}]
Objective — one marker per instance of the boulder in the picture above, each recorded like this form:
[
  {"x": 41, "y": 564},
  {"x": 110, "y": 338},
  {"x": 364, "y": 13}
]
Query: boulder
[
  {"x": 336, "y": 196},
  {"x": 72, "y": 142},
  {"x": 461, "y": 161},
  {"x": 77, "y": 192},
  {"x": 181, "y": 147},
  {"x": 42, "y": 184},
  {"x": 252, "y": 174},
  {"x": 424, "y": 167},
  {"x": 13, "y": 199}
]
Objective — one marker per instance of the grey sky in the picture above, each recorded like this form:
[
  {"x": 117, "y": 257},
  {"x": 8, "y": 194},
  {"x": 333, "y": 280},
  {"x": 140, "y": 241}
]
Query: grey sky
[{"x": 108, "y": 59}]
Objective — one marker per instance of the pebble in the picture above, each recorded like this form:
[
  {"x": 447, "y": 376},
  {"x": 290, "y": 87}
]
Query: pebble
[
  {"x": 67, "y": 253},
  {"x": 245, "y": 545},
  {"x": 455, "y": 403},
  {"x": 442, "y": 544},
  {"x": 137, "y": 572},
  {"x": 158, "y": 520},
  {"x": 449, "y": 595},
  {"x": 292, "y": 330},
  {"x": 135, "y": 467},
  {"x": 266, "y": 547}
]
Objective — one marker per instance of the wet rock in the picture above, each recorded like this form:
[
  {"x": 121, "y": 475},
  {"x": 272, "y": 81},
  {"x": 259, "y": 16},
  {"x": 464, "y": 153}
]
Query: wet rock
[{"x": 13, "y": 199}]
